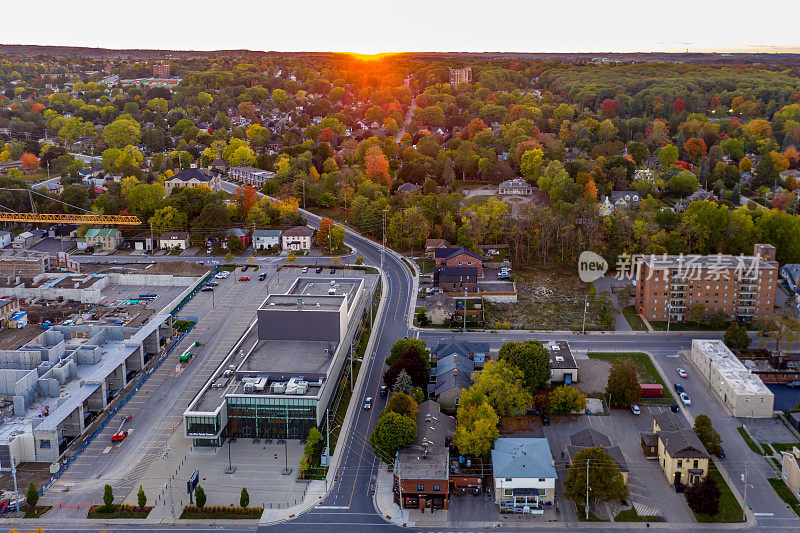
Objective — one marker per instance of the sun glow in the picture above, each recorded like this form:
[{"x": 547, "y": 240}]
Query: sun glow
[{"x": 368, "y": 58}]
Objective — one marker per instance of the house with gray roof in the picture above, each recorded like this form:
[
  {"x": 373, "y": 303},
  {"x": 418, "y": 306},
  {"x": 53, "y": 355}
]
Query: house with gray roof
[
  {"x": 264, "y": 239},
  {"x": 439, "y": 308},
  {"x": 451, "y": 375},
  {"x": 591, "y": 438},
  {"x": 524, "y": 475}
]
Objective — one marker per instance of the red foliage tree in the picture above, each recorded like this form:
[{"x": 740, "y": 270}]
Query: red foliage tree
[
  {"x": 245, "y": 197},
  {"x": 678, "y": 106},
  {"x": 715, "y": 103},
  {"x": 696, "y": 148},
  {"x": 413, "y": 364},
  {"x": 609, "y": 108},
  {"x": 327, "y": 135}
]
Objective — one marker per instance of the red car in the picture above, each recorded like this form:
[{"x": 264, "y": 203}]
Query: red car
[{"x": 244, "y": 278}]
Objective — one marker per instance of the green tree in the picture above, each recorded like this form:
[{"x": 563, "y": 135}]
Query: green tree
[
  {"x": 401, "y": 345},
  {"x": 235, "y": 245},
  {"x": 141, "y": 498},
  {"x": 402, "y": 404},
  {"x": 683, "y": 184},
  {"x": 108, "y": 498},
  {"x": 476, "y": 430},
  {"x": 168, "y": 218},
  {"x": 605, "y": 479},
  {"x": 638, "y": 151},
  {"x": 782, "y": 327},
  {"x": 403, "y": 383},
  {"x": 622, "y": 387},
  {"x": 200, "y": 497},
  {"x": 765, "y": 175},
  {"x": 244, "y": 499},
  {"x": 530, "y": 357},
  {"x": 503, "y": 385},
  {"x": 565, "y": 400},
  {"x": 392, "y": 431},
  {"x": 32, "y": 497},
  {"x": 314, "y": 437},
  {"x": 707, "y": 434},
  {"x": 736, "y": 337},
  {"x": 668, "y": 156},
  {"x": 122, "y": 132},
  {"x": 703, "y": 497}
]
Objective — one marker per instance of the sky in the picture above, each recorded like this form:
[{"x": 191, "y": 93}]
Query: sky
[{"x": 376, "y": 26}]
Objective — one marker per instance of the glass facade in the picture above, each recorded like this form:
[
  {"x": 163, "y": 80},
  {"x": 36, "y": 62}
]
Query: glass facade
[
  {"x": 202, "y": 425},
  {"x": 279, "y": 418}
]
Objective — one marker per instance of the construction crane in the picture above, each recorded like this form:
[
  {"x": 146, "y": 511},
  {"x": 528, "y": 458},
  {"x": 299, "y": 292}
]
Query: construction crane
[{"x": 67, "y": 218}]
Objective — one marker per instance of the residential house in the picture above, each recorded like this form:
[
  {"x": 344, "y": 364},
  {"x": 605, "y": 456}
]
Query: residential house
[
  {"x": 241, "y": 234},
  {"x": 297, "y": 238},
  {"x": 409, "y": 189},
  {"x": 174, "y": 239},
  {"x": 591, "y": 438},
  {"x": 194, "y": 177},
  {"x": 456, "y": 279},
  {"x": 516, "y": 186},
  {"x": 451, "y": 375},
  {"x": 563, "y": 368},
  {"x": 24, "y": 239},
  {"x": 606, "y": 208},
  {"x": 264, "y": 239},
  {"x": 698, "y": 195},
  {"x": 432, "y": 244},
  {"x": 251, "y": 176},
  {"x": 54, "y": 187},
  {"x": 524, "y": 475},
  {"x": 791, "y": 173},
  {"x": 790, "y": 470},
  {"x": 5, "y": 166},
  {"x": 477, "y": 352},
  {"x": 103, "y": 238},
  {"x": 791, "y": 276},
  {"x": 458, "y": 257},
  {"x": 625, "y": 199},
  {"x": 439, "y": 308},
  {"x": 680, "y": 453},
  {"x": 5, "y": 239}
]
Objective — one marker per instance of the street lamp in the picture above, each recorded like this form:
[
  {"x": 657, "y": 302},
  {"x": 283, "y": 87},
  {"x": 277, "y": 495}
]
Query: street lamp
[{"x": 231, "y": 469}]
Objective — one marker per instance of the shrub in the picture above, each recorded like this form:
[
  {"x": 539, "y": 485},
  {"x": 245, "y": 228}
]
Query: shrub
[
  {"x": 32, "y": 498},
  {"x": 200, "y": 497},
  {"x": 244, "y": 499},
  {"x": 141, "y": 498},
  {"x": 108, "y": 499}
]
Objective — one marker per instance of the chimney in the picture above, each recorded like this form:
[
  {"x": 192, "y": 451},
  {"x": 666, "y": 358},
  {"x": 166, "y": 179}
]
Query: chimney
[
  {"x": 299, "y": 303},
  {"x": 455, "y": 372}
]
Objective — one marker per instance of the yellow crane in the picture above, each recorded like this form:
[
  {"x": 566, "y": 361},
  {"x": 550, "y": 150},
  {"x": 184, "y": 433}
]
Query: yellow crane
[{"x": 108, "y": 220}]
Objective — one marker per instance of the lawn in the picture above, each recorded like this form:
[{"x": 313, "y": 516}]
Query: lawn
[
  {"x": 37, "y": 511},
  {"x": 119, "y": 511},
  {"x": 582, "y": 515},
  {"x": 644, "y": 367},
  {"x": 425, "y": 266},
  {"x": 750, "y": 443},
  {"x": 222, "y": 513},
  {"x": 547, "y": 298},
  {"x": 729, "y": 508},
  {"x": 785, "y": 493},
  {"x": 783, "y": 446},
  {"x": 630, "y": 515},
  {"x": 634, "y": 320}
]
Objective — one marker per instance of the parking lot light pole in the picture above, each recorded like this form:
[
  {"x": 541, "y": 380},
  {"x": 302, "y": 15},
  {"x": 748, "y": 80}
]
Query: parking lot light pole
[{"x": 585, "y": 307}]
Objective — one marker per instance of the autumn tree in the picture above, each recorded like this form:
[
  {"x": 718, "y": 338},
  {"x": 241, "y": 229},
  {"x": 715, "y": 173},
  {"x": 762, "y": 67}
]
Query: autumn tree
[
  {"x": 703, "y": 497},
  {"x": 244, "y": 197},
  {"x": 403, "y": 404},
  {"x": 736, "y": 337},
  {"x": 377, "y": 166},
  {"x": 502, "y": 384},
  {"x": 325, "y": 225},
  {"x": 605, "y": 480},
  {"x": 566, "y": 399},
  {"x": 29, "y": 161},
  {"x": 122, "y": 132},
  {"x": 622, "y": 387},
  {"x": 532, "y": 358},
  {"x": 476, "y": 429}
]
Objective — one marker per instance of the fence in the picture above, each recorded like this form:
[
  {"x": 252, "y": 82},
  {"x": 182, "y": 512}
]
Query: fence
[{"x": 141, "y": 381}]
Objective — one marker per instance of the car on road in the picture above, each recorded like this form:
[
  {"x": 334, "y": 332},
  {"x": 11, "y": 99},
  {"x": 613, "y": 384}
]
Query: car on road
[
  {"x": 793, "y": 384},
  {"x": 678, "y": 387},
  {"x": 244, "y": 278},
  {"x": 262, "y": 277},
  {"x": 635, "y": 409},
  {"x": 545, "y": 419},
  {"x": 721, "y": 454},
  {"x": 213, "y": 283},
  {"x": 333, "y": 270},
  {"x": 207, "y": 289},
  {"x": 682, "y": 373},
  {"x": 368, "y": 403},
  {"x": 685, "y": 399},
  {"x": 674, "y": 408},
  {"x": 220, "y": 275},
  {"x": 318, "y": 270},
  {"x": 305, "y": 269},
  {"x": 384, "y": 390},
  {"x": 503, "y": 275}
]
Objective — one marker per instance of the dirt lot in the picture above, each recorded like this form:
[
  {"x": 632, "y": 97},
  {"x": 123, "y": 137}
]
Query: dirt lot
[
  {"x": 593, "y": 375},
  {"x": 548, "y": 298},
  {"x": 178, "y": 268}
]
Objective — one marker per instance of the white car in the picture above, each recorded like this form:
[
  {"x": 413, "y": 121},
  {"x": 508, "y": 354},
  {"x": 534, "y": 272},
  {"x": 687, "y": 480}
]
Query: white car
[
  {"x": 682, "y": 373},
  {"x": 305, "y": 269},
  {"x": 685, "y": 399},
  {"x": 635, "y": 409},
  {"x": 220, "y": 275}
]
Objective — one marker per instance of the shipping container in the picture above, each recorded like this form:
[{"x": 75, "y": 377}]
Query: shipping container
[{"x": 651, "y": 390}]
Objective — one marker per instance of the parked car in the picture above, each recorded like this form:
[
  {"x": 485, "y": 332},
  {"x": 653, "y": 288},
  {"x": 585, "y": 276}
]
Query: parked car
[
  {"x": 635, "y": 409},
  {"x": 384, "y": 390},
  {"x": 545, "y": 419},
  {"x": 212, "y": 283},
  {"x": 208, "y": 251},
  {"x": 721, "y": 454},
  {"x": 207, "y": 289},
  {"x": 305, "y": 269},
  {"x": 685, "y": 399},
  {"x": 368, "y": 403},
  {"x": 793, "y": 384},
  {"x": 262, "y": 277},
  {"x": 318, "y": 270},
  {"x": 333, "y": 270},
  {"x": 674, "y": 408},
  {"x": 682, "y": 373},
  {"x": 678, "y": 387},
  {"x": 503, "y": 275},
  {"x": 244, "y": 278}
]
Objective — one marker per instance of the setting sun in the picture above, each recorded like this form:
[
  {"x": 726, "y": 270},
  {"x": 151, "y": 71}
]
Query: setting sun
[{"x": 368, "y": 57}]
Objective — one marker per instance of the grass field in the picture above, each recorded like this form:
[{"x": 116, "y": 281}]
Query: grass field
[
  {"x": 785, "y": 493},
  {"x": 634, "y": 321},
  {"x": 644, "y": 367},
  {"x": 729, "y": 508},
  {"x": 750, "y": 444}
]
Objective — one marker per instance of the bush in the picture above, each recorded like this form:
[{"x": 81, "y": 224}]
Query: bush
[
  {"x": 32, "y": 498},
  {"x": 108, "y": 499},
  {"x": 244, "y": 499},
  {"x": 141, "y": 498},
  {"x": 703, "y": 497},
  {"x": 200, "y": 497}
]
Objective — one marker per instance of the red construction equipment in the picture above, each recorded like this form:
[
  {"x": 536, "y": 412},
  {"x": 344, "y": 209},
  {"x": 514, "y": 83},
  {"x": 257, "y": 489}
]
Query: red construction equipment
[{"x": 120, "y": 435}]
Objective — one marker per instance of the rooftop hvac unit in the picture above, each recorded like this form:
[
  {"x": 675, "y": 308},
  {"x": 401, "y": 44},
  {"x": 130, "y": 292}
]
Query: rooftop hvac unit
[
  {"x": 302, "y": 387},
  {"x": 249, "y": 388},
  {"x": 278, "y": 388},
  {"x": 260, "y": 384}
]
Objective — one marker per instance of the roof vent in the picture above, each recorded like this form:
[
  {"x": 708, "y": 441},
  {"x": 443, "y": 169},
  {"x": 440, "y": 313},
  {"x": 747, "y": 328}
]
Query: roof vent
[{"x": 299, "y": 303}]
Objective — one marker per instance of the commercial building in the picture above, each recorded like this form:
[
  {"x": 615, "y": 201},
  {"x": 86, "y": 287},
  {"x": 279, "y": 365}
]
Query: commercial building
[
  {"x": 563, "y": 368},
  {"x": 460, "y": 75},
  {"x": 741, "y": 391},
  {"x": 161, "y": 70},
  {"x": 63, "y": 379},
  {"x": 790, "y": 470},
  {"x": 255, "y": 177},
  {"x": 743, "y": 288},
  {"x": 281, "y": 379},
  {"x": 524, "y": 475},
  {"x": 297, "y": 238}
]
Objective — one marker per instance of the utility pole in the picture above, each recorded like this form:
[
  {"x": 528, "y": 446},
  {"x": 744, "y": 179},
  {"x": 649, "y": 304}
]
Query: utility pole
[
  {"x": 286, "y": 470},
  {"x": 583, "y": 328},
  {"x": 304, "y": 193},
  {"x": 669, "y": 315},
  {"x": 384, "y": 236},
  {"x": 464, "y": 329},
  {"x": 745, "y": 481},
  {"x": 587, "y": 490},
  {"x": 328, "y": 442},
  {"x": 16, "y": 492}
]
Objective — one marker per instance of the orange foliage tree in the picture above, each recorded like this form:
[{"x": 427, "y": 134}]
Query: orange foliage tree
[
  {"x": 323, "y": 231},
  {"x": 245, "y": 197},
  {"x": 590, "y": 191},
  {"x": 377, "y": 165},
  {"x": 29, "y": 161}
]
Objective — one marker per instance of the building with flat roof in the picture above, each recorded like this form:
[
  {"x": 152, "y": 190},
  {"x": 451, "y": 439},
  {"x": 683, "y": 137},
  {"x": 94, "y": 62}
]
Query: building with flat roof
[
  {"x": 460, "y": 75},
  {"x": 524, "y": 475},
  {"x": 63, "y": 379},
  {"x": 738, "y": 287},
  {"x": 282, "y": 379},
  {"x": 563, "y": 368},
  {"x": 255, "y": 177},
  {"x": 741, "y": 391}
]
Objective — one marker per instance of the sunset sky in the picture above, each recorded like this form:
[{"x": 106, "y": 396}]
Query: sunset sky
[{"x": 391, "y": 26}]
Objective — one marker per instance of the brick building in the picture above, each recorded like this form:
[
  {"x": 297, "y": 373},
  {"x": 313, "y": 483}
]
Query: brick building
[
  {"x": 741, "y": 287},
  {"x": 460, "y": 75},
  {"x": 456, "y": 279},
  {"x": 161, "y": 70},
  {"x": 458, "y": 257}
]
